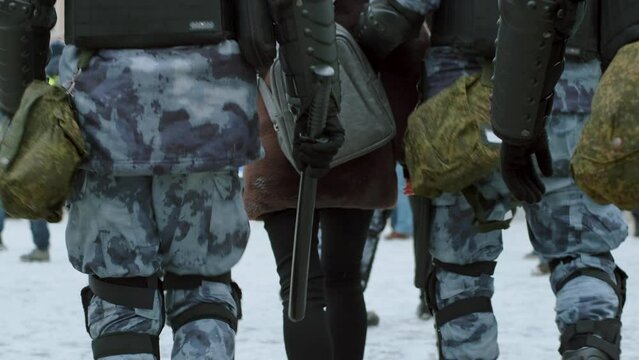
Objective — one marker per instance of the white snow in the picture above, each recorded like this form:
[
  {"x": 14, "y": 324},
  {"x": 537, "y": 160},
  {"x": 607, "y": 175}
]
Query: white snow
[{"x": 41, "y": 316}]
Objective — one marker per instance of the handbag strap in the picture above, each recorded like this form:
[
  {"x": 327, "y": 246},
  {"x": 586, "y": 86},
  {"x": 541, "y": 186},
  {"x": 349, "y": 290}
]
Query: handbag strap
[{"x": 270, "y": 103}]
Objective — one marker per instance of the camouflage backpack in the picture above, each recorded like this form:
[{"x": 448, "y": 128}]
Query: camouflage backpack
[
  {"x": 606, "y": 161},
  {"x": 446, "y": 145},
  {"x": 449, "y": 144},
  {"x": 40, "y": 149}
]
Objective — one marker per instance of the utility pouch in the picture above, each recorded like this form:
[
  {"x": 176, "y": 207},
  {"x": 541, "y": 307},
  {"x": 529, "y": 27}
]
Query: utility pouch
[
  {"x": 103, "y": 24},
  {"x": 40, "y": 149},
  {"x": 365, "y": 112}
]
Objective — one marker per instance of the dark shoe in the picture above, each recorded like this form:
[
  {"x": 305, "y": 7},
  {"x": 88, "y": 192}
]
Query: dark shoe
[
  {"x": 542, "y": 269},
  {"x": 422, "y": 312},
  {"x": 531, "y": 255},
  {"x": 371, "y": 318},
  {"x": 585, "y": 354},
  {"x": 397, "y": 236},
  {"x": 36, "y": 255}
]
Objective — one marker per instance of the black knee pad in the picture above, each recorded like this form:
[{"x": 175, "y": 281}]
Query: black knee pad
[
  {"x": 478, "y": 304},
  {"x": 604, "y": 335},
  {"x": 215, "y": 311},
  {"x": 137, "y": 292}
]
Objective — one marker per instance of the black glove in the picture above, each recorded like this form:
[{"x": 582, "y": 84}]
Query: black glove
[
  {"x": 316, "y": 155},
  {"x": 519, "y": 172}
]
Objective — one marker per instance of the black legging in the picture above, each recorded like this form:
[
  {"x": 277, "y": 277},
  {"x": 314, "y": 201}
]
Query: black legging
[{"x": 339, "y": 333}]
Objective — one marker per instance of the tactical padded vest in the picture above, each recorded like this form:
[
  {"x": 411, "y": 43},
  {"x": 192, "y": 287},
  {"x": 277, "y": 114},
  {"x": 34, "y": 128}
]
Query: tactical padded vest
[
  {"x": 470, "y": 24},
  {"x": 584, "y": 43},
  {"x": 619, "y": 25}
]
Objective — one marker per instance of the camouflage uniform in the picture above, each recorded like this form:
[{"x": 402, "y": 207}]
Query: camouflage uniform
[
  {"x": 565, "y": 223},
  {"x": 167, "y": 130}
]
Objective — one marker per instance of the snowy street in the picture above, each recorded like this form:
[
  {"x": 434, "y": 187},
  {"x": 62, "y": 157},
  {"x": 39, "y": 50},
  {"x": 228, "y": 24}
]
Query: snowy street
[{"x": 41, "y": 315}]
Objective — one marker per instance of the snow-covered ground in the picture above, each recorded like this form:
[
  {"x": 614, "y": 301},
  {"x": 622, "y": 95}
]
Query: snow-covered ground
[{"x": 41, "y": 317}]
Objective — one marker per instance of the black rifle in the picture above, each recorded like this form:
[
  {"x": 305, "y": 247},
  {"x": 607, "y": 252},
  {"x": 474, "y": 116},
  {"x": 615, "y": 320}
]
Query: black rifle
[{"x": 306, "y": 199}]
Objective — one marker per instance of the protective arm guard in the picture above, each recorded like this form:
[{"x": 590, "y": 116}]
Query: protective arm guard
[
  {"x": 306, "y": 35},
  {"x": 530, "y": 50},
  {"x": 385, "y": 25},
  {"x": 24, "y": 46}
]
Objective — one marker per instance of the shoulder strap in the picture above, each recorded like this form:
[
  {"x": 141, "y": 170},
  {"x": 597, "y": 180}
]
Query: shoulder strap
[{"x": 270, "y": 102}]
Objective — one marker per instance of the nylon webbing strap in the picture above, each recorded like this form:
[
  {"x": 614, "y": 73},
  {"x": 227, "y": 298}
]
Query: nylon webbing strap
[
  {"x": 125, "y": 344},
  {"x": 214, "y": 311},
  {"x": 601, "y": 334},
  {"x": 597, "y": 274},
  {"x": 463, "y": 307},
  {"x": 131, "y": 292},
  {"x": 183, "y": 282},
  {"x": 481, "y": 210},
  {"x": 474, "y": 269}
]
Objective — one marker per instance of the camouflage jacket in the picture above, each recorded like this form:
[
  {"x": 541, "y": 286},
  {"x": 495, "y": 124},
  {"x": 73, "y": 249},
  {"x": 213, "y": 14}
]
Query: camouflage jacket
[{"x": 158, "y": 111}]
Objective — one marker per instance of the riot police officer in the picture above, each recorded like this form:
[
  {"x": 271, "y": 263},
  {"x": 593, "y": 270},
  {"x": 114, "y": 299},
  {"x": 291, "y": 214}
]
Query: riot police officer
[
  {"x": 534, "y": 37},
  {"x": 566, "y": 227},
  {"x": 165, "y": 97}
]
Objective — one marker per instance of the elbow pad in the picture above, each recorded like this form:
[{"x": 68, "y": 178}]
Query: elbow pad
[
  {"x": 384, "y": 26},
  {"x": 24, "y": 47},
  {"x": 529, "y": 61}
]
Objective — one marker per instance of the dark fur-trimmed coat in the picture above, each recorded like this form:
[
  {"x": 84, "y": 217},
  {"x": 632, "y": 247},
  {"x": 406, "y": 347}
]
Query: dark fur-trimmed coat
[{"x": 369, "y": 182}]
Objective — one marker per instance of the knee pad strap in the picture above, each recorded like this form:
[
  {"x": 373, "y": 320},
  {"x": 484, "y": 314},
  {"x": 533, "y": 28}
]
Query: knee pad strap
[
  {"x": 619, "y": 285},
  {"x": 215, "y": 311},
  {"x": 125, "y": 344},
  {"x": 604, "y": 335},
  {"x": 136, "y": 292}
]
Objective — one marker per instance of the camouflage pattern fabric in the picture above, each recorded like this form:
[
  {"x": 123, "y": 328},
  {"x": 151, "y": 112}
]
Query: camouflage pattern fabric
[
  {"x": 39, "y": 152},
  {"x": 139, "y": 226},
  {"x": 565, "y": 223},
  {"x": 165, "y": 111},
  {"x": 606, "y": 162},
  {"x": 445, "y": 145}
]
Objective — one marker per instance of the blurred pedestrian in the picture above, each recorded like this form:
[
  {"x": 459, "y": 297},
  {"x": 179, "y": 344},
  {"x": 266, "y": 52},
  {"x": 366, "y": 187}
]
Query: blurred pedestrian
[
  {"x": 402, "y": 216},
  {"x": 40, "y": 233}
]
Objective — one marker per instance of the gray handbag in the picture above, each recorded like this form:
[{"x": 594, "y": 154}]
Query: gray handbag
[{"x": 365, "y": 112}]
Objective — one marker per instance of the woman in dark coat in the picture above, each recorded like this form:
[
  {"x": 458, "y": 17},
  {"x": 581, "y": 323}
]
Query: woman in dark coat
[{"x": 335, "y": 323}]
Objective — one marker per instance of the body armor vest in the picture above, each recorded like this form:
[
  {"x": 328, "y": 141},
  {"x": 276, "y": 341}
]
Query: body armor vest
[
  {"x": 619, "y": 25},
  {"x": 470, "y": 24},
  {"x": 584, "y": 43}
]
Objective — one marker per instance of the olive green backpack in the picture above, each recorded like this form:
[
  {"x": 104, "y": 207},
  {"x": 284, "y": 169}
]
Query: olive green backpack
[
  {"x": 606, "y": 161},
  {"x": 450, "y": 145},
  {"x": 40, "y": 149}
]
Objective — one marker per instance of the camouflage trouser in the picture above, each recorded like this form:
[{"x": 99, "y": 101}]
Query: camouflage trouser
[
  {"x": 192, "y": 224},
  {"x": 565, "y": 223}
]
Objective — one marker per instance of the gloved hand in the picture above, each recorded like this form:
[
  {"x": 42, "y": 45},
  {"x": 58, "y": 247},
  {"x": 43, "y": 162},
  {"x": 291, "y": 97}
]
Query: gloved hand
[
  {"x": 316, "y": 155},
  {"x": 385, "y": 25},
  {"x": 519, "y": 172}
]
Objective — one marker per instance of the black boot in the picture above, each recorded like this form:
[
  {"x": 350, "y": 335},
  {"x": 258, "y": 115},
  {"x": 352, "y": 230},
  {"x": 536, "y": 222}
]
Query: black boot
[{"x": 585, "y": 353}]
